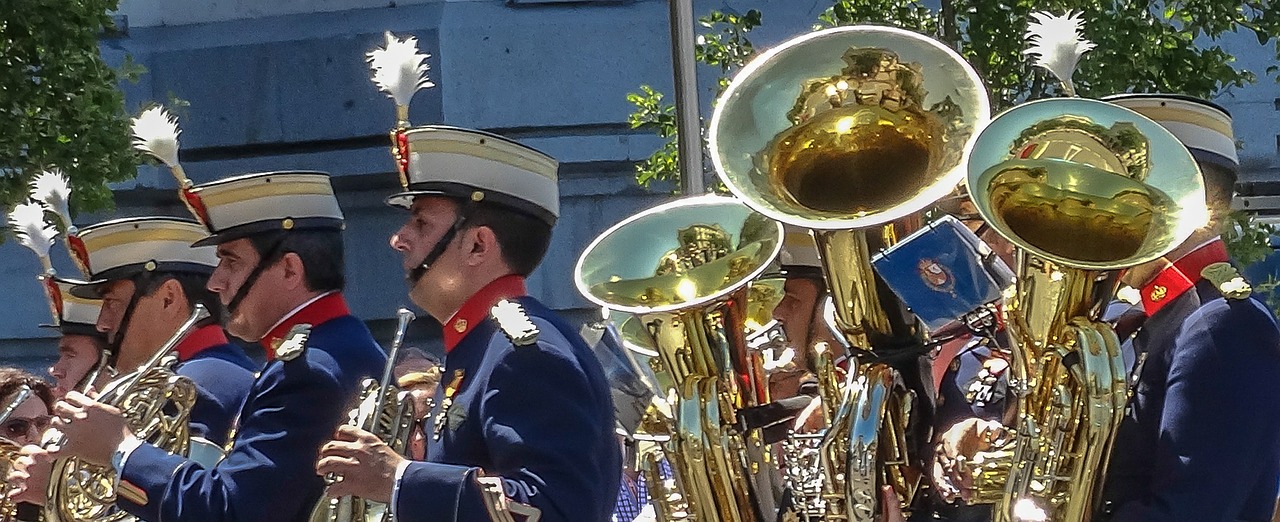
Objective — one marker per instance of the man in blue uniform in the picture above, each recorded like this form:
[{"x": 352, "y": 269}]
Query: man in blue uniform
[
  {"x": 524, "y": 417},
  {"x": 1200, "y": 440},
  {"x": 81, "y": 346},
  {"x": 280, "y": 273},
  {"x": 149, "y": 280}
]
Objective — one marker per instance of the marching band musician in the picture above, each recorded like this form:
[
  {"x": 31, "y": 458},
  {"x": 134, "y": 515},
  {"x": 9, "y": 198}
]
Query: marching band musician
[
  {"x": 149, "y": 280},
  {"x": 278, "y": 239},
  {"x": 1198, "y": 440},
  {"x": 970, "y": 373},
  {"x": 81, "y": 345},
  {"x": 524, "y": 399},
  {"x": 793, "y": 386},
  {"x": 800, "y": 312}
]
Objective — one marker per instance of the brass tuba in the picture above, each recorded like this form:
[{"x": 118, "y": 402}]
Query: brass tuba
[
  {"x": 843, "y": 131},
  {"x": 383, "y": 410},
  {"x": 1084, "y": 188},
  {"x": 157, "y": 405},
  {"x": 682, "y": 270}
]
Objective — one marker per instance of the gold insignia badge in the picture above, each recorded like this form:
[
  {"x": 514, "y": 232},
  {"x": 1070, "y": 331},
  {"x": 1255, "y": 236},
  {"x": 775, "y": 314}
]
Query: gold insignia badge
[
  {"x": 1228, "y": 280},
  {"x": 514, "y": 322},
  {"x": 460, "y": 325},
  {"x": 294, "y": 343},
  {"x": 1158, "y": 293},
  {"x": 450, "y": 390}
]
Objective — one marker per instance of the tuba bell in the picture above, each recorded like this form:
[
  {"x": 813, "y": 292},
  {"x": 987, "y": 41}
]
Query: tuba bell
[
  {"x": 844, "y": 131},
  {"x": 1084, "y": 188},
  {"x": 682, "y": 271}
]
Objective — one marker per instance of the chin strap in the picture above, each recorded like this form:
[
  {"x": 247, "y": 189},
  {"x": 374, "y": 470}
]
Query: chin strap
[
  {"x": 264, "y": 262},
  {"x": 418, "y": 271},
  {"x": 113, "y": 347}
]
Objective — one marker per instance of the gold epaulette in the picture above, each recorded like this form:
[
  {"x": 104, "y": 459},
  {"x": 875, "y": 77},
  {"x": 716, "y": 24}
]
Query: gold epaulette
[
  {"x": 294, "y": 343},
  {"x": 514, "y": 322},
  {"x": 1228, "y": 280}
]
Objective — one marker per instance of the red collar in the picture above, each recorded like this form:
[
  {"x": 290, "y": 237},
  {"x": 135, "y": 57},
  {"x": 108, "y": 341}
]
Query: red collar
[
  {"x": 320, "y": 311},
  {"x": 1181, "y": 276},
  {"x": 200, "y": 340},
  {"x": 476, "y": 309}
]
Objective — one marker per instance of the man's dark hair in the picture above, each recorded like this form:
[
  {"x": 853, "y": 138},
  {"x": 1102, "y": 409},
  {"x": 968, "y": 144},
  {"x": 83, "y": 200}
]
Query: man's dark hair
[
  {"x": 194, "y": 286},
  {"x": 321, "y": 252},
  {"x": 1219, "y": 188},
  {"x": 524, "y": 238}
]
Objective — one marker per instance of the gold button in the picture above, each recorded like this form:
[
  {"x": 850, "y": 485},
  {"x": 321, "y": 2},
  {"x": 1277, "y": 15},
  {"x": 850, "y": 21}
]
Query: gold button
[
  {"x": 477, "y": 195},
  {"x": 151, "y": 265},
  {"x": 460, "y": 325},
  {"x": 287, "y": 224}
]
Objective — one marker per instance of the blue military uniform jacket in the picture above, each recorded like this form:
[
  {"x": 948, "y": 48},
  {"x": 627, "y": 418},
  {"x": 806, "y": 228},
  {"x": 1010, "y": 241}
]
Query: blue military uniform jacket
[
  {"x": 975, "y": 385},
  {"x": 223, "y": 375},
  {"x": 292, "y": 408},
  {"x": 537, "y": 413},
  {"x": 1200, "y": 440}
]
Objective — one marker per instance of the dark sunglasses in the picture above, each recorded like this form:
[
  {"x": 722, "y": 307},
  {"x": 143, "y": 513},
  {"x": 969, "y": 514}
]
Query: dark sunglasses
[{"x": 16, "y": 428}]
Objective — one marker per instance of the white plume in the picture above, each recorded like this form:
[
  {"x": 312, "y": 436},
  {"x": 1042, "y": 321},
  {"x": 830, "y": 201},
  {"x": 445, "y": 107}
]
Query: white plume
[
  {"x": 399, "y": 69},
  {"x": 29, "y": 226},
  {"x": 51, "y": 188},
  {"x": 1057, "y": 43},
  {"x": 155, "y": 132}
]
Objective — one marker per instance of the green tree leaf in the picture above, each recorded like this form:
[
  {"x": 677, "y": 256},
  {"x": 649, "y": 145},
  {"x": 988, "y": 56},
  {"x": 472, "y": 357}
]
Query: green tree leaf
[{"x": 60, "y": 103}]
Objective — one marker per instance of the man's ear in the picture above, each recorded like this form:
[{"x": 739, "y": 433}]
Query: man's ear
[
  {"x": 171, "y": 294},
  {"x": 295, "y": 273},
  {"x": 483, "y": 245}
]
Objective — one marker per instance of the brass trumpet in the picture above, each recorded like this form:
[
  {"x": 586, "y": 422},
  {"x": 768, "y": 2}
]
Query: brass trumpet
[
  {"x": 844, "y": 131},
  {"x": 1083, "y": 188},
  {"x": 385, "y": 411}
]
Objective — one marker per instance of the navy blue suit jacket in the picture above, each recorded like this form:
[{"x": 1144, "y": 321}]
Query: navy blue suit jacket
[
  {"x": 1200, "y": 440},
  {"x": 539, "y": 416},
  {"x": 269, "y": 474},
  {"x": 223, "y": 375}
]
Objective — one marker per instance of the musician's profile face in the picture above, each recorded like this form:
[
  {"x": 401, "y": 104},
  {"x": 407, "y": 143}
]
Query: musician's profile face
[
  {"x": 797, "y": 312},
  {"x": 145, "y": 329},
  {"x": 253, "y": 316},
  {"x": 429, "y": 220},
  {"x": 77, "y": 355}
]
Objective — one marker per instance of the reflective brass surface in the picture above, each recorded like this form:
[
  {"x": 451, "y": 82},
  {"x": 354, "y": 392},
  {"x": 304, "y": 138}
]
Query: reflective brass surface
[
  {"x": 385, "y": 411},
  {"x": 848, "y": 127},
  {"x": 157, "y": 404},
  {"x": 844, "y": 131},
  {"x": 681, "y": 271},
  {"x": 1085, "y": 183},
  {"x": 1083, "y": 188}
]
